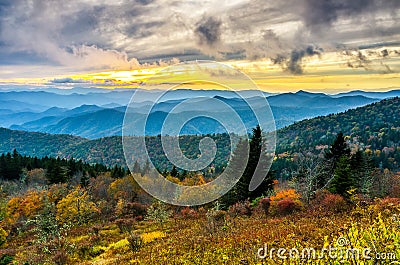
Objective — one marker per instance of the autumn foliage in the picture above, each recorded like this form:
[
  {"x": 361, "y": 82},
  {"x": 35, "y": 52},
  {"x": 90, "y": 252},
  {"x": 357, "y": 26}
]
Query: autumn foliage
[
  {"x": 285, "y": 202},
  {"x": 76, "y": 207}
]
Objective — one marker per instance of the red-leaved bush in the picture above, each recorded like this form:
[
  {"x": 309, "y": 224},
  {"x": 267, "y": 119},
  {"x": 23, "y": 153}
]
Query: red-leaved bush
[
  {"x": 265, "y": 204},
  {"x": 240, "y": 209},
  {"x": 285, "y": 202},
  {"x": 287, "y": 206},
  {"x": 188, "y": 213},
  {"x": 387, "y": 206},
  {"x": 325, "y": 201}
]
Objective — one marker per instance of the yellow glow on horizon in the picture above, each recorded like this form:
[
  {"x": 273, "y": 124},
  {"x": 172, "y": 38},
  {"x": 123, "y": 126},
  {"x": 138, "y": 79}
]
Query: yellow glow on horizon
[{"x": 329, "y": 72}]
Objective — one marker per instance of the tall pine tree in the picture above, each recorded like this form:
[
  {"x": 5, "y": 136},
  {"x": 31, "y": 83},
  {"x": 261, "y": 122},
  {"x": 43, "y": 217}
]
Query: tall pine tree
[
  {"x": 241, "y": 190},
  {"x": 339, "y": 172}
]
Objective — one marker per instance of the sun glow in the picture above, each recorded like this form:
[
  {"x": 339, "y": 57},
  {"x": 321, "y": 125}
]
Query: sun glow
[{"x": 329, "y": 72}]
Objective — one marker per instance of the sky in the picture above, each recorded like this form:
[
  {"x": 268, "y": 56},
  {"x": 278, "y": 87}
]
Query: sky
[{"x": 315, "y": 45}]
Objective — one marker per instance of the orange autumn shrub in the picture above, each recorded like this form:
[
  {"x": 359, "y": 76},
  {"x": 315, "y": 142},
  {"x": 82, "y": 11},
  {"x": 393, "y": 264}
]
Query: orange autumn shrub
[
  {"x": 25, "y": 206},
  {"x": 386, "y": 206},
  {"x": 285, "y": 202}
]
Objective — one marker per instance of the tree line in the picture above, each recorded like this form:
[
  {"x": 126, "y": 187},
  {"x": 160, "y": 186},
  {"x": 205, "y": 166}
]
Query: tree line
[{"x": 13, "y": 166}]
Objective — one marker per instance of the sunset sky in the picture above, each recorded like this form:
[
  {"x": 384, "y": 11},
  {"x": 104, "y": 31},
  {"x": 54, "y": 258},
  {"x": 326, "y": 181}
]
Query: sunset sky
[{"x": 329, "y": 46}]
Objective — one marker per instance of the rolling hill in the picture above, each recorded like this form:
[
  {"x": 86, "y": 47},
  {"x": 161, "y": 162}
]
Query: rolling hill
[
  {"x": 375, "y": 126},
  {"x": 94, "y": 121}
]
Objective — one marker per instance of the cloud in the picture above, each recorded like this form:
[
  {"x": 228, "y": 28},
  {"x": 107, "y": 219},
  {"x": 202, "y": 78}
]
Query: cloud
[
  {"x": 67, "y": 80},
  {"x": 208, "y": 31},
  {"x": 357, "y": 60},
  {"x": 296, "y": 57},
  {"x": 97, "y": 58},
  {"x": 294, "y": 64},
  {"x": 321, "y": 14},
  {"x": 87, "y": 34},
  {"x": 73, "y": 34}
]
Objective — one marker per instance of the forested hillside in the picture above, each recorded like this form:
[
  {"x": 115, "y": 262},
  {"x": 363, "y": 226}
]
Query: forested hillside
[{"x": 374, "y": 128}]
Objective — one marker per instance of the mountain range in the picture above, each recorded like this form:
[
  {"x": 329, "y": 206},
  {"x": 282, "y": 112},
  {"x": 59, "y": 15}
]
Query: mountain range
[
  {"x": 100, "y": 114},
  {"x": 375, "y": 126}
]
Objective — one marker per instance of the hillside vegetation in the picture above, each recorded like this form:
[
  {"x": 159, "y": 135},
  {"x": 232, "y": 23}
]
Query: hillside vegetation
[
  {"x": 375, "y": 127},
  {"x": 59, "y": 211}
]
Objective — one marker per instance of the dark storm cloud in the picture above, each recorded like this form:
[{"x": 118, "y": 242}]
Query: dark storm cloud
[
  {"x": 208, "y": 31},
  {"x": 320, "y": 13},
  {"x": 319, "y": 16},
  {"x": 294, "y": 64},
  {"x": 83, "y": 21},
  {"x": 5, "y": 5}
]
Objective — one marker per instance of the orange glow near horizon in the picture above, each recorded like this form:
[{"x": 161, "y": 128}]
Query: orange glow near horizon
[{"x": 326, "y": 73}]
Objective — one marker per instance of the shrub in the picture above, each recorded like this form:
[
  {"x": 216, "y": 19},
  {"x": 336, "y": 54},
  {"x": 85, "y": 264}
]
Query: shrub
[
  {"x": 387, "y": 206},
  {"x": 265, "y": 204},
  {"x": 57, "y": 192},
  {"x": 6, "y": 259},
  {"x": 136, "y": 209},
  {"x": 129, "y": 209},
  {"x": 215, "y": 219},
  {"x": 287, "y": 206},
  {"x": 158, "y": 212},
  {"x": 60, "y": 257},
  {"x": 76, "y": 207},
  {"x": 3, "y": 236},
  {"x": 325, "y": 201},
  {"x": 334, "y": 203},
  {"x": 285, "y": 202},
  {"x": 25, "y": 206},
  {"x": 125, "y": 225},
  {"x": 240, "y": 209},
  {"x": 125, "y": 188},
  {"x": 135, "y": 241},
  {"x": 188, "y": 212}
]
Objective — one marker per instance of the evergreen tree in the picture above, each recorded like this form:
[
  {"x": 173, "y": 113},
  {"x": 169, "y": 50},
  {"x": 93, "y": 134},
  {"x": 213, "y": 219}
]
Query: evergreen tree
[
  {"x": 146, "y": 168},
  {"x": 338, "y": 149},
  {"x": 55, "y": 172},
  {"x": 117, "y": 172},
  {"x": 361, "y": 168},
  {"x": 11, "y": 168},
  {"x": 343, "y": 179},
  {"x": 235, "y": 165},
  {"x": 136, "y": 167},
  {"x": 174, "y": 172},
  {"x": 2, "y": 166},
  {"x": 85, "y": 180},
  {"x": 241, "y": 190}
]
